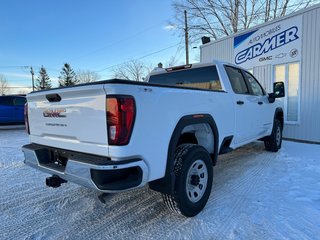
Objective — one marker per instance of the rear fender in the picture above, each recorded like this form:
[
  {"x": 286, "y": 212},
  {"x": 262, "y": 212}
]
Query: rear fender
[{"x": 166, "y": 184}]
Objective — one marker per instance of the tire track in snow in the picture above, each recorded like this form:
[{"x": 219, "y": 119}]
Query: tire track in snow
[
  {"x": 234, "y": 182},
  {"x": 73, "y": 212},
  {"x": 120, "y": 220},
  {"x": 248, "y": 183},
  {"x": 41, "y": 216}
]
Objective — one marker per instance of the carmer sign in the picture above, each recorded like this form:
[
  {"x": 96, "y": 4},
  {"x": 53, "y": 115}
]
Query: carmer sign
[
  {"x": 272, "y": 44},
  {"x": 269, "y": 44}
]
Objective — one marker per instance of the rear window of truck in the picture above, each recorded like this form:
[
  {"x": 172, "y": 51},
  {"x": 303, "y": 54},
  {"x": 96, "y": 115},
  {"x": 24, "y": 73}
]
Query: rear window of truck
[{"x": 202, "y": 78}]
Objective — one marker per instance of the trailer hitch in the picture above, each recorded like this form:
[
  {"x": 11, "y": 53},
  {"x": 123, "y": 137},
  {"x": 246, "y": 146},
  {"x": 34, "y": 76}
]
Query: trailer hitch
[{"x": 54, "y": 181}]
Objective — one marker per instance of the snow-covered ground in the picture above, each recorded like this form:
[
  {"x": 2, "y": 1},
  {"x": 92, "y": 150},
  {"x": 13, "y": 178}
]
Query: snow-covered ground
[{"x": 255, "y": 195}]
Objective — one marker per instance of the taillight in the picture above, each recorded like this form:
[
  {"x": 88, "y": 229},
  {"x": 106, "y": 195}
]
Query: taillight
[
  {"x": 26, "y": 118},
  {"x": 121, "y": 112}
]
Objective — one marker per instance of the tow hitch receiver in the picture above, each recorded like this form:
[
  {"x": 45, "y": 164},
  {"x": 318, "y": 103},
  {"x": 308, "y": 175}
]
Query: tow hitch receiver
[{"x": 54, "y": 181}]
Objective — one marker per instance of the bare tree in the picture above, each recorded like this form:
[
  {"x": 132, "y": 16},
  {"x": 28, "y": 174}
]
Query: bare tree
[
  {"x": 87, "y": 76},
  {"x": 132, "y": 70},
  {"x": 217, "y": 18},
  {"x": 4, "y": 89},
  {"x": 173, "y": 61},
  {"x": 24, "y": 92}
]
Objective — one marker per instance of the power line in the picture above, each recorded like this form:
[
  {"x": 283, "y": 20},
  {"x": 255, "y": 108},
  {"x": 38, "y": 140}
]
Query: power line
[
  {"x": 179, "y": 48},
  {"x": 139, "y": 58},
  {"x": 119, "y": 41}
]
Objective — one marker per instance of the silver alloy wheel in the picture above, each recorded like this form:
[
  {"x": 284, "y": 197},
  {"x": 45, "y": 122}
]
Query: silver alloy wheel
[
  {"x": 197, "y": 180},
  {"x": 278, "y": 136}
]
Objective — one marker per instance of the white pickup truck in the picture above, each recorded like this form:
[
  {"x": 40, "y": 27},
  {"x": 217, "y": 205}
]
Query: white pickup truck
[{"x": 117, "y": 135}]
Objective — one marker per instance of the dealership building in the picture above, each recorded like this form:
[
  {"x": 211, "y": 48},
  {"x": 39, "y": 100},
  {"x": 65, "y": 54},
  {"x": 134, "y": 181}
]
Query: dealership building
[{"x": 286, "y": 49}]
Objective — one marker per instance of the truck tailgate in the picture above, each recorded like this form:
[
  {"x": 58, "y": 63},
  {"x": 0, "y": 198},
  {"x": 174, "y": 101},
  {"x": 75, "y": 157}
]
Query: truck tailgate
[{"x": 76, "y": 122}]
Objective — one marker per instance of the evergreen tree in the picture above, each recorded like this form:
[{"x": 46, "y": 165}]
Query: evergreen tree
[
  {"x": 43, "y": 80},
  {"x": 67, "y": 76}
]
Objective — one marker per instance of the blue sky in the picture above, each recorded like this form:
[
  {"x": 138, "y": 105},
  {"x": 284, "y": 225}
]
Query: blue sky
[{"x": 90, "y": 35}]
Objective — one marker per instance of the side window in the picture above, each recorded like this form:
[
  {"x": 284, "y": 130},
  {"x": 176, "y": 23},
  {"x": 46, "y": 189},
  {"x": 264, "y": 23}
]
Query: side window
[
  {"x": 19, "y": 101},
  {"x": 237, "y": 81},
  {"x": 253, "y": 84},
  {"x": 6, "y": 101}
]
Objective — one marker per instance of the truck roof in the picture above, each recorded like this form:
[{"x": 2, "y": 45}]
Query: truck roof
[{"x": 157, "y": 70}]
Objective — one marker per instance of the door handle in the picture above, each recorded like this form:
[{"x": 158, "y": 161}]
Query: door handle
[
  {"x": 260, "y": 103},
  {"x": 240, "y": 102}
]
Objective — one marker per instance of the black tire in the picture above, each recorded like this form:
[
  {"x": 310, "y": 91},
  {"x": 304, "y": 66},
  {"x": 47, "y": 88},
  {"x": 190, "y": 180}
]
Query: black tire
[
  {"x": 190, "y": 160},
  {"x": 273, "y": 142}
]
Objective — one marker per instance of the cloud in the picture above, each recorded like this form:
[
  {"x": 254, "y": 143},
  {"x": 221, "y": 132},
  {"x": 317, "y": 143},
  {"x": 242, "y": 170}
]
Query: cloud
[
  {"x": 169, "y": 27},
  {"x": 20, "y": 75},
  {"x": 18, "y": 89},
  {"x": 54, "y": 80}
]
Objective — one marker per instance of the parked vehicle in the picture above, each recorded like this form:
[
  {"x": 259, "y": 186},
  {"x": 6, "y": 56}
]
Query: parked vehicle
[
  {"x": 11, "y": 109},
  {"x": 117, "y": 135}
]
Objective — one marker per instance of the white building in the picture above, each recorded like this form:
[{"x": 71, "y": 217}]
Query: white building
[{"x": 286, "y": 49}]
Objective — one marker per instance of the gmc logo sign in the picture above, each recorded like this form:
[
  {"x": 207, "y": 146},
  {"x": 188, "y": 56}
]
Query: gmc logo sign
[{"x": 54, "y": 113}]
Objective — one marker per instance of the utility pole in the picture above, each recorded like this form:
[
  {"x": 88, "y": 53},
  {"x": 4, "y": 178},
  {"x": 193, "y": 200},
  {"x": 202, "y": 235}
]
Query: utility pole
[
  {"x": 186, "y": 36},
  {"x": 32, "y": 75}
]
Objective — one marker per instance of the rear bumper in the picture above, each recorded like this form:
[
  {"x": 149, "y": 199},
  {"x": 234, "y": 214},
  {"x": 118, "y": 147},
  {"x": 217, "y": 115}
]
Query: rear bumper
[{"x": 95, "y": 172}]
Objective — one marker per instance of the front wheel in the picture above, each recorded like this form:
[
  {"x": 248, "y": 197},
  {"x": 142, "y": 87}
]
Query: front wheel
[
  {"x": 193, "y": 171},
  {"x": 273, "y": 142}
]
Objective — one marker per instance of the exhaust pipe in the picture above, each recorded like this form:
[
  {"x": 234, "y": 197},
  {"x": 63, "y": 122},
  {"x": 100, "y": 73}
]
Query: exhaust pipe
[
  {"x": 54, "y": 181},
  {"x": 102, "y": 197}
]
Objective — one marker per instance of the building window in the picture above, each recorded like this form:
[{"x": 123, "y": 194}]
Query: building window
[{"x": 289, "y": 74}]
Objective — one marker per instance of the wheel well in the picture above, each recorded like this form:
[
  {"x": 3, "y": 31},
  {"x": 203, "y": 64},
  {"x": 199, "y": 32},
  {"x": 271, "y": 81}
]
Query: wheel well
[
  {"x": 187, "y": 137},
  {"x": 199, "y": 127},
  {"x": 200, "y": 134}
]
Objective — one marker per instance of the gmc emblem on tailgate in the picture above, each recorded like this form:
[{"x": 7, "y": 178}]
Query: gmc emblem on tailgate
[{"x": 54, "y": 113}]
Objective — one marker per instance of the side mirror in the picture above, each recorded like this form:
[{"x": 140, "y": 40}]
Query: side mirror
[{"x": 278, "y": 91}]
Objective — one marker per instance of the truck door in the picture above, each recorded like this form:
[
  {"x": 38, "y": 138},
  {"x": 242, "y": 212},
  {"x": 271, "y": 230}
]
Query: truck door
[
  {"x": 18, "y": 109},
  {"x": 246, "y": 119},
  {"x": 264, "y": 110}
]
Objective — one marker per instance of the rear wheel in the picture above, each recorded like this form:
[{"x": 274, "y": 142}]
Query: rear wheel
[
  {"x": 193, "y": 171},
  {"x": 273, "y": 142}
]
